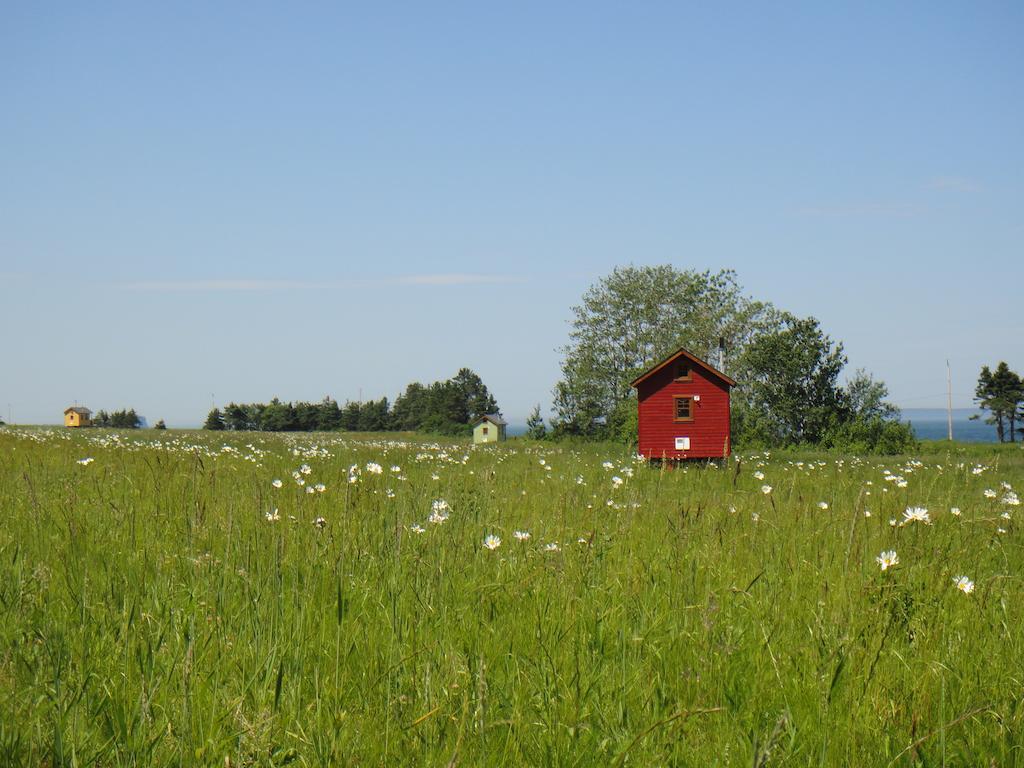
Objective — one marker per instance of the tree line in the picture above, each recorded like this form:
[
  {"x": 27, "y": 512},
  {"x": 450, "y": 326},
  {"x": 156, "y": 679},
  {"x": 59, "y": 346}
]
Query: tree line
[
  {"x": 1001, "y": 393},
  {"x": 444, "y": 407},
  {"x": 123, "y": 419}
]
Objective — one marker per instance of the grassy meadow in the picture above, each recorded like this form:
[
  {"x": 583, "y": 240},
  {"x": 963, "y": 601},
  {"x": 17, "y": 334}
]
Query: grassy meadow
[{"x": 162, "y": 602}]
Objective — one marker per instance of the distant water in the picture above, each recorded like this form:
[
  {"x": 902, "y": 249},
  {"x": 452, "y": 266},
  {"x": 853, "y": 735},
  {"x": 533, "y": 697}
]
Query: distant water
[{"x": 930, "y": 424}]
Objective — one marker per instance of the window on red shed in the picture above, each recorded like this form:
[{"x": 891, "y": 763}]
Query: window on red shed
[
  {"x": 682, "y": 371},
  {"x": 683, "y": 408}
]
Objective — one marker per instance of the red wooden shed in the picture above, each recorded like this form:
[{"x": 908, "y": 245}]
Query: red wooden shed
[{"x": 683, "y": 405}]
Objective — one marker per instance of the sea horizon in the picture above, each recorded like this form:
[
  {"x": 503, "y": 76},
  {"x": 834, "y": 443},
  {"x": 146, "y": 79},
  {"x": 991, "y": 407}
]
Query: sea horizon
[{"x": 932, "y": 424}]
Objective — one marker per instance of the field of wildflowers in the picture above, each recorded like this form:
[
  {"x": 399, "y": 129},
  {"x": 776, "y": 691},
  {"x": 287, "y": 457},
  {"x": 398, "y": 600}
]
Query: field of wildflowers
[{"x": 245, "y": 599}]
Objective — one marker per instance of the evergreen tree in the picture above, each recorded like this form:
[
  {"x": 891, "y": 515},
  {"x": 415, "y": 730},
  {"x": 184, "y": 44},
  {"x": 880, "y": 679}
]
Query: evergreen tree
[
  {"x": 307, "y": 417},
  {"x": 374, "y": 416},
  {"x": 411, "y": 408},
  {"x": 214, "y": 420},
  {"x": 473, "y": 392},
  {"x": 1001, "y": 393},
  {"x": 235, "y": 417},
  {"x": 535, "y": 428},
  {"x": 328, "y": 415},
  {"x": 448, "y": 403},
  {"x": 1013, "y": 387},
  {"x": 123, "y": 419},
  {"x": 350, "y": 416},
  {"x": 160, "y": 425},
  {"x": 278, "y": 417}
]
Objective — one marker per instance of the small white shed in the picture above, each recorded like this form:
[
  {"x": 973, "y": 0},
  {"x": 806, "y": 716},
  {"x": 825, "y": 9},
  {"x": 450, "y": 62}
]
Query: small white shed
[{"x": 489, "y": 428}]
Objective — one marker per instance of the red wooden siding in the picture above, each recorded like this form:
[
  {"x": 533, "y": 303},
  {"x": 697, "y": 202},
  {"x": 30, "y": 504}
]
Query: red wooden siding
[{"x": 709, "y": 429}]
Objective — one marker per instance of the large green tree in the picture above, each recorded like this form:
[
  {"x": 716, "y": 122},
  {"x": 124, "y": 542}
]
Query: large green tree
[
  {"x": 791, "y": 394},
  {"x": 634, "y": 317}
]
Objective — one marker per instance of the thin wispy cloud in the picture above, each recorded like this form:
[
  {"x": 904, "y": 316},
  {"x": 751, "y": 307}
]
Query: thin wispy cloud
[
  {"x": 863, "y": 210},
  {"x": 954, "y": 184},
  {"x": 248, "y": 285},
  {"x": 457, "y": 279},
  {"x": 216, "y": 286}
]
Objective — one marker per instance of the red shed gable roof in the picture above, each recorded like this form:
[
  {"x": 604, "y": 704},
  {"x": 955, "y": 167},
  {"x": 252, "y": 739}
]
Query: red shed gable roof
[{"x": 681, "y": 352}]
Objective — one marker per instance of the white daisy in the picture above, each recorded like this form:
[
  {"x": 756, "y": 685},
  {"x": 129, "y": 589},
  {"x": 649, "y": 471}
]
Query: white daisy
[
  {"x": 887, "y": 559},
  {"x": 916, "y": 515},
  {"x": 964, "y": 584}
]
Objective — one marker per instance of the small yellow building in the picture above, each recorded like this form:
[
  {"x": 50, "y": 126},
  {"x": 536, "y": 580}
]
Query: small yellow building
[
  {"x": 489, "y": 428},
  {"x": 77, "y": 416}
]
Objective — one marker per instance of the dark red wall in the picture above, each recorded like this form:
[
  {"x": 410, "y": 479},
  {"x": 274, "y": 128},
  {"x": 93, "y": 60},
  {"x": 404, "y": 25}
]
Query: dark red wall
[{"x": 709, "y": 430}]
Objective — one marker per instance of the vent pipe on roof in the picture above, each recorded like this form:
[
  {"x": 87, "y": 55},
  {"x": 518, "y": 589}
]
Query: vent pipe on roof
[{"x": 721, "y": 354}]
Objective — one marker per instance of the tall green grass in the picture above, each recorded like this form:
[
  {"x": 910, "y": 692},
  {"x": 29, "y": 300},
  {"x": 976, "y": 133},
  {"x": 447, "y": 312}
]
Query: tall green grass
[{"x": 151, "y": 614}]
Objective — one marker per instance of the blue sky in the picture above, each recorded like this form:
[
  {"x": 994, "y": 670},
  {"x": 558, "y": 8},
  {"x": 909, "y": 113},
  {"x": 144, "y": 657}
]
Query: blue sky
[{"x": 243, "y": 200}]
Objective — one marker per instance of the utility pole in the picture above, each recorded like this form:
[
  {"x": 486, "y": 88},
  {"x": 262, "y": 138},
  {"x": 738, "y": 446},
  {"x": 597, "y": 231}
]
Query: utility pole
[{"x": 949, "y": 401}]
